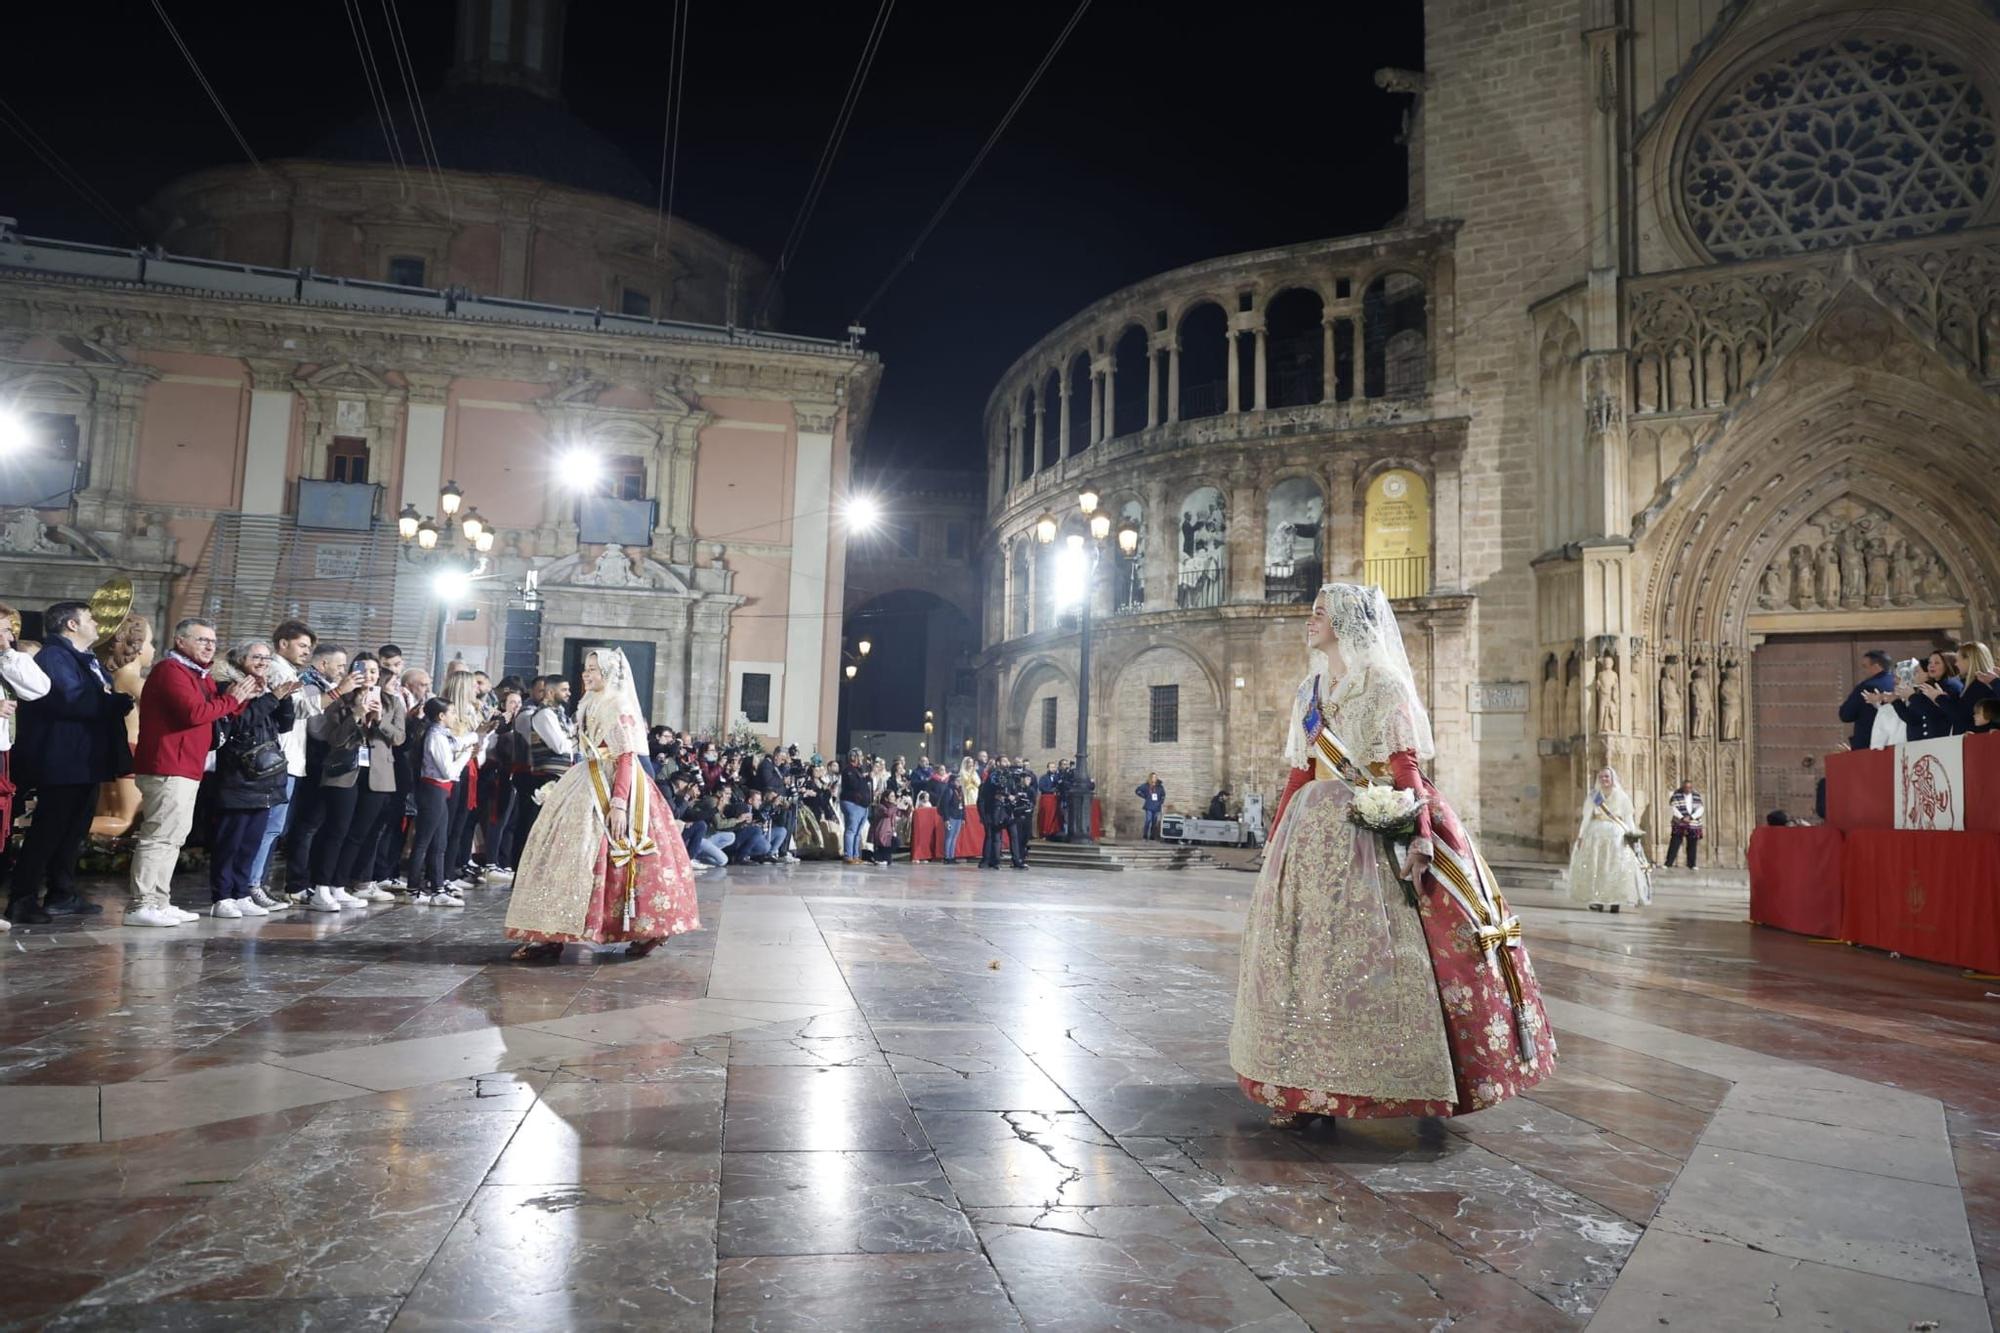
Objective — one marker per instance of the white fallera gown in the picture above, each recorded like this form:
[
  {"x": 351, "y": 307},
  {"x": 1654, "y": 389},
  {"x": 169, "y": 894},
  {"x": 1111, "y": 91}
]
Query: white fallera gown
[{"x": 1604, "y": 867}]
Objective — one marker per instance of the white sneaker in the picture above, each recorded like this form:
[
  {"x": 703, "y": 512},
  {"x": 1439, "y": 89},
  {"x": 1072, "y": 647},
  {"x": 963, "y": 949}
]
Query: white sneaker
[
  {"x": 458, "y": 885},
  {"x": 5, "y": 925},
  {"x": 399, "y": 882},
  {"x": 346, "y": 899},
  {"x": 152, "y": 916},
  {"x": 418, "y": 899},
  {"x": 374, "y": 893},
  {"x": 322, "y": 900},
  {"x": 299, "y": 897},
  {"x": 499, "y": 874},
  {"x": 789, "y": 859},
  {"x": 227, "y": 909},
  {"x": 262, "y": 899},
  {"x": 249, "y": 907},
  {"x": 446, "y": 900},
  {"x": 185, "y": 915}
]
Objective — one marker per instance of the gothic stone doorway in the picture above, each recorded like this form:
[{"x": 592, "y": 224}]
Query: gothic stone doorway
[{"x": 1797, "y": 683}]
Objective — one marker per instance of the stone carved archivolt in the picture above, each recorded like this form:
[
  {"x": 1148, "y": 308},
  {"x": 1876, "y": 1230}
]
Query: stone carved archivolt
[
  {"x": 1851, "y": 555},
  {"x": 1855, "y": 139}
]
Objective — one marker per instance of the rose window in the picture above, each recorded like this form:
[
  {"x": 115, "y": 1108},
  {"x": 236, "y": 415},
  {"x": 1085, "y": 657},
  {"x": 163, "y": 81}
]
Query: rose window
[{"x": 1861, "y": 139}]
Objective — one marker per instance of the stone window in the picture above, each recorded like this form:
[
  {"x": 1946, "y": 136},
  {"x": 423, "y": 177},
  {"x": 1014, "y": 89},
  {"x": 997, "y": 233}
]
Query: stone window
[
  {"x": 632, "y": 301},
  {"x": 624, "y": 478},
  {"x": 1855, "y": 139},
  {"x": 406, "y": 270},
  {"x": 1049, "y": 723},
  {"x": 1163, "y": 718},
  {"x": 757, "y": 696},
  {"x": 347, "y": 460}
]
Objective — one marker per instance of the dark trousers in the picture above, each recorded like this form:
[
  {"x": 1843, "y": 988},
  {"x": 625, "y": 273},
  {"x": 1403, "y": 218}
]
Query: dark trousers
[
  {"x": 232, "y": 849},
  {"x": 1018, "y": 841},
  {"x": 389, "y": 838},
  {"x": 334, "y": 811},
  {"x": 302, "y": 832},
  {"x": 525, "y": 809},
  {"x": 458, "y": 850},
  {"x": 427, "y": 849},
  {"x": 1693, "y": 841},
  {"x": 989, "y": 854},
  {"x": 356, "y": 860},
  {"x": 53, "y": 841},
  {"x": 500, "y": 827}
]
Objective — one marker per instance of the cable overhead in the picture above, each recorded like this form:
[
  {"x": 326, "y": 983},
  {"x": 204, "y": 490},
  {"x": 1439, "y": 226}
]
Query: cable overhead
[
  {"x": 378, "y": 93},
  {"x": 670, "y": 148},
  {"x": 65, "y": 173},
  {"x": 910, "y": 255},
  {"x": 824, "y": 169},
  {"x": 406, "y": 68},
  {"x": 207, "y": 87}
]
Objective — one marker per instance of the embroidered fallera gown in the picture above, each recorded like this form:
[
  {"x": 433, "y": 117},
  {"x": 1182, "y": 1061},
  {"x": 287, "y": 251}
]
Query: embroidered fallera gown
[
  {"x": 1604, "y": 867},
  {"x": 574, "y": 884},
  {"x": 1353, "y": 1000}
]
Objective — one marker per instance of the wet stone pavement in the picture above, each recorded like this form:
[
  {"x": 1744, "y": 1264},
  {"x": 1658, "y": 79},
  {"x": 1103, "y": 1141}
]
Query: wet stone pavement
[{"x": 928, "y": 1097}]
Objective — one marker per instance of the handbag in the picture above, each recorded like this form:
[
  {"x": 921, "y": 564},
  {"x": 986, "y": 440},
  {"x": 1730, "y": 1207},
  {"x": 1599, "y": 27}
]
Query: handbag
[{"x": 266, "y": 759}]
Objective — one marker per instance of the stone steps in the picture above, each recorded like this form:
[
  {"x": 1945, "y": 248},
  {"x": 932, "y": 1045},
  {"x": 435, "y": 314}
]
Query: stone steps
[{"x": 1117, "y": 856}]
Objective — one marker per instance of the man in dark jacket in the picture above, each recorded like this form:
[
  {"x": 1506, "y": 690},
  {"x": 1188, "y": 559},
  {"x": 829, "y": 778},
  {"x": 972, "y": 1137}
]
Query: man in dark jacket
[
  {"x": 71, "y": 739},
  {"x": 857, "y": 793},
  {"x": 1878, "y": 674},
  {"x": 993, "y": 814}
]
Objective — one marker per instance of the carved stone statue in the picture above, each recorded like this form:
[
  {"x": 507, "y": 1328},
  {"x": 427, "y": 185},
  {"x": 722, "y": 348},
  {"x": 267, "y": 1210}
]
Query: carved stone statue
[
  {"x": 1829, "y": 574},
  {"x": 1670, "y": 698},
  {"x": 1554, "y": 725},
  {"x": 1877, "y": 552},
  {"x": 1606, "y": 686},
  {"x": 1749, "y": 358},
  {"x": 1715, "y": 375},
  {"x": 1771, "y": 587},
  {"x": 1730, "y": 710},
  {"x": 1572, "y": 691},
  {"x": 1648, "y": 392},
  {"x": 1802, "y": 576},
  {"x": 1903, "y": 573},
  {"x": 1701, "y": 703},
  {"x": 23, "y": 530},
  {"x": 614, "y": 569},
  {"x": 1853, "y": 568},
  {"x": 1934, "y": 585},
  {"x": 1680, "y": 379}
]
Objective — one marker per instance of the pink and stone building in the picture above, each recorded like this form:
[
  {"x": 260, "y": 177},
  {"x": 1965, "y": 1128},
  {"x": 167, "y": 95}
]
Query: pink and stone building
[{"x": 236, "y": 419}]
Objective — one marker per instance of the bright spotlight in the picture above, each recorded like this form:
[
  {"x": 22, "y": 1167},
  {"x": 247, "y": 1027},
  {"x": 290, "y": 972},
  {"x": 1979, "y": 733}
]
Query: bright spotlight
[
  {"x": 581, "y": 468},
  {"x": 14, "y": 436},
  {"x": 1072, "y": 575},
  {"x": 451, "y": 585},
  {"x": 863, "y": 513}
]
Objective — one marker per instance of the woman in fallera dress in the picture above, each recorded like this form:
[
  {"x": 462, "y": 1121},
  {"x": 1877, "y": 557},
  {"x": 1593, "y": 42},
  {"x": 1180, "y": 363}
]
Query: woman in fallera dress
[
  {"x": 605, "y": 862},
  {"x": 1362, "y": 995},
  {"x": 1606, "y": 868}
]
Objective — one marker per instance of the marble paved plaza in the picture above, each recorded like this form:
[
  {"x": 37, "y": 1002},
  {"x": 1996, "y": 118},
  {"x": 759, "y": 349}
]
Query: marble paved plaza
[{"x": 932, "y": 1097}]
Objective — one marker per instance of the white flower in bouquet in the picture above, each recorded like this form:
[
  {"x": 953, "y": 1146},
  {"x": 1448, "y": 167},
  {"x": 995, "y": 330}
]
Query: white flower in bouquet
[{"x": 1384, "y": 808}]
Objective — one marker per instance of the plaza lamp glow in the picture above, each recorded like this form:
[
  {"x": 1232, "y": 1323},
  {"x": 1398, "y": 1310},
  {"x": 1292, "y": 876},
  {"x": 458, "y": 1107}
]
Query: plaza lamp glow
[
  {"x": 450, "y": 498},
  {"x": 14, "y": 436},
  {"x": 850, "y": 669},
  {"x": 1076, "y": 573},
  {"x": 864, "y": 647},
  {"x": 862, "y": 512},
  {"x": 580, "y": 467},
  {"x": 407, "y": 523}
]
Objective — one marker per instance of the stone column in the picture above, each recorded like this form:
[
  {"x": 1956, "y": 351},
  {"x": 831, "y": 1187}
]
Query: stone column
[
  {"x": 1062, "y": 425},
  {"x": 423, "y": 440},
  {"x": 268, "y": 443},
  {"x": 1096, "y": 408},
  {"x": 1173, "y": 381},
  {"x": 1039, "y": 455},
  {"x": 1447, "y": 559},
  {"x": 708, "y": 665},
  {"x": 816, "y": 585},
  {"x": 1152, "y": 386},
  {"x": 1246, "y": 543},
  {"x": 1261, "y": 396},
  {"x": 1343, "y": 549},
  {"x": 1235, "y": 390},
  {"x": 1110, "y": 399},
  {"x": 1327, "y": 384},
  {"x": 111, "y": 452},
  {"x": 1162, "y": 547},
  {"x": 1360, "y": 352}
]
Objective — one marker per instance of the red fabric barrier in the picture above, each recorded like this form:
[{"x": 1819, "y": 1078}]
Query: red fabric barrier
[
  {"x": 1861, "y": 789},
  {"x": 1795, "y": 879},
  {"x": 926, "y": 834},
  {"x": 971, "y": 837},
  {"x": 1934, "y": 896},
  {"x": 1982, "y": 783},
  {"x": 1048, "y": 815}
]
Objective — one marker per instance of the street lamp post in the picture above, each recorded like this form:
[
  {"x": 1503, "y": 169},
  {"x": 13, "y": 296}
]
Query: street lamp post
[
  {"x": 1082, "y": 788},
  {"x": 453, "y": 570}
]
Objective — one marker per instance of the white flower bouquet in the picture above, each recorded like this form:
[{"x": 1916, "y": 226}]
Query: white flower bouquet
[{"x": 1390, "y": 813}]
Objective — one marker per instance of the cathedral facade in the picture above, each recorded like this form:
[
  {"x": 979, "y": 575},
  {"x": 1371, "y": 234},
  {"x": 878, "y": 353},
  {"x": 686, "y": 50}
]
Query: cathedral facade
[{"x": 1710, "y": 337}]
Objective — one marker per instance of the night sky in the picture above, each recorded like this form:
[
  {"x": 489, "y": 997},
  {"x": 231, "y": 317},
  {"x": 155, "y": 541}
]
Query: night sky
[{"x": 1161, "y": 135}]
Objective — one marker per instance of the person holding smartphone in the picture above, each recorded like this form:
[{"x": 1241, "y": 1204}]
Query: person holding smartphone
[{"x": 358, "y": 775}]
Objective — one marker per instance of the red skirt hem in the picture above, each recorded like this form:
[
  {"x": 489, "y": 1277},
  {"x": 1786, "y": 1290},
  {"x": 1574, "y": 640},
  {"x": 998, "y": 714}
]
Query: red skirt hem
[{"x": 1305, "y": 1101}]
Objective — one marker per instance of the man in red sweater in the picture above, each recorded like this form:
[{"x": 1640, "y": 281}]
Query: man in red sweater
[{"x": 178, "y": 710}]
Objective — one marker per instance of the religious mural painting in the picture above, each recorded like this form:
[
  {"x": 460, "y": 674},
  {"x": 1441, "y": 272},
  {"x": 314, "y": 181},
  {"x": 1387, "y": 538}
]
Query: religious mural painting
[{"x": 1294, "y": 517}]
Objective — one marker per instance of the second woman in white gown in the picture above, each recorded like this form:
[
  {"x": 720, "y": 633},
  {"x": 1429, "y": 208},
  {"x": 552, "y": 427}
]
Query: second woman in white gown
[{"x": 1607, "y": 867}]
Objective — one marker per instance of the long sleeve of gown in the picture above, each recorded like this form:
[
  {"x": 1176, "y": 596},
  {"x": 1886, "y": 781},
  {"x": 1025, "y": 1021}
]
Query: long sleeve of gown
[{"x": 1405, "y": 773}]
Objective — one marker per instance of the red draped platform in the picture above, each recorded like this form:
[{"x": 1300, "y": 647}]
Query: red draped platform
[
  {"x": 1795, "y": 879},
  {"x": 1926, "y": 895},
  {"x": 1929, "y": 895}
]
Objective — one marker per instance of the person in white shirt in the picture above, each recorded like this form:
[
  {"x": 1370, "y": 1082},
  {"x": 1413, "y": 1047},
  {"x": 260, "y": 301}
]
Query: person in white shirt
[
  {"x": 20, "y": 679},
  {"x": 292, "y": 649},
  {"x": 449, "y": 738}
]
